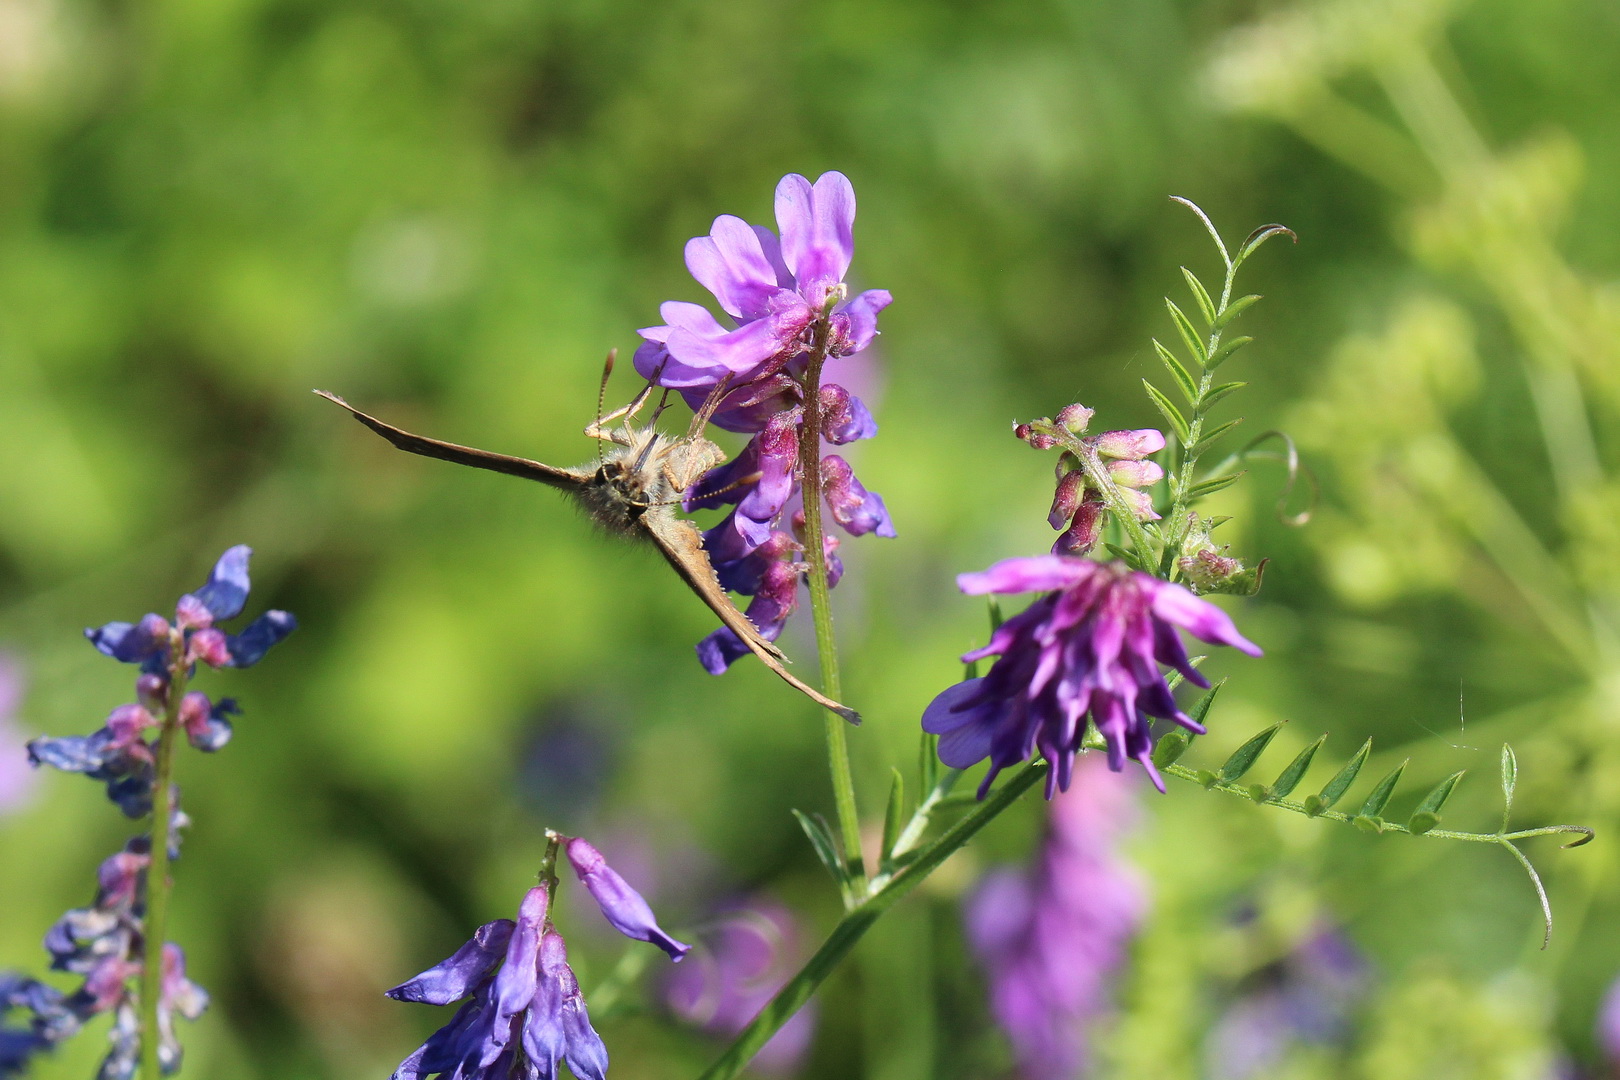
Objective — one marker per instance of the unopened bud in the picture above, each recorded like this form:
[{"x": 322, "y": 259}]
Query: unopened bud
[
  {"x": 1084, "y": 531},
  {"x": 1140, "y": 502},
  {"x": 1129, "y": 445},
  {"x": 1074, "y": 418},
  {"x": 1136, "y": 474},
  {"x": 1039, "y": 440},
  {"x": 1070, "y": 489}
]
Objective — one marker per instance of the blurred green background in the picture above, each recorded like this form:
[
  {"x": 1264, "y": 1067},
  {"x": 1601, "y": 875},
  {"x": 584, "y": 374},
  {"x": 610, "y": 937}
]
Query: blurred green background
[{"x": 449, "y": 211}]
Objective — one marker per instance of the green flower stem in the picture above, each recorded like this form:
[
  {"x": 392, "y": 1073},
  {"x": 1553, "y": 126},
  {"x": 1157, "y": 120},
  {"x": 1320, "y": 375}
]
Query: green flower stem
[
  {"x": 159, "y": 884},
  {"x": 849, "y": 825},
  {"x": 859, "y": 919}
]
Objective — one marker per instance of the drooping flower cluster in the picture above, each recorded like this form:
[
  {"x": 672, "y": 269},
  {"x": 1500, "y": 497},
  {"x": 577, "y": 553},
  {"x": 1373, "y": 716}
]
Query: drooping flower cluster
[
  {"x": 741, "y": 964},
  {"x": 119, "y": 754},
  {"x": 16, "y": 779},
  {"x": 107, "y": 943},
  {"x": 1090, "y": 648},
  {"x": 1051, "y": 937},
  {"x": 525, "y": 1012},
  {"x": 788, "y": 299}
]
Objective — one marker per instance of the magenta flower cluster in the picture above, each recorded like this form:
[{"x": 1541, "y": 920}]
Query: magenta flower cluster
[
  {"x": 1051, "y": 937},
  {"x": 524, "y": 1012},
  {"x": 787, "y": 299},
  {"x": 1090, "y": 648}
]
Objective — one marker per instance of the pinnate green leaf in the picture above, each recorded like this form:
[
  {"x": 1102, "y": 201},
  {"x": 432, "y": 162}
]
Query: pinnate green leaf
[
  {"x": 1290, "y": 777},
  {"x": 1189, "y": 334},
  {"x": 1184, "y": 381},
  {"x": 1206, "y": 306},
  {"x": 1335, "y": 788},
  {"x": 1171, "y": 415},
  {"x": 1382, "y": 791}
]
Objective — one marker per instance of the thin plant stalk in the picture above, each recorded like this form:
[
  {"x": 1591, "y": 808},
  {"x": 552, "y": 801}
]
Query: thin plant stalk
[
  {"x": 159, "y": 883},
  {"x": 849, "y": 828}
]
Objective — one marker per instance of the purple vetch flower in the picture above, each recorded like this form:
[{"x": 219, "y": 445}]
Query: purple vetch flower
[
  {"x": 16, "y": 778},
  {"x": 1090, "y": 647},
  {"x": 524, "y": 1012},
  {"x": 1051, "y": 937},
  {"x": 785, "y": 295},
  {"x": 740, "y": 965},
  {"x": 775, "y": 290},
  {"x": 621, "y": 905}
]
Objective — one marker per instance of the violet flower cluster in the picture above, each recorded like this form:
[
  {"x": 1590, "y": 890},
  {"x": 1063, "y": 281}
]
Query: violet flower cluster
[
  {"x": 524, "y": 1012},
  {"x": 1091, "y": 647},
  {"x": 106, "y": 943},
  {"x": 749, "y": 955},
  {"x": 119, "y": 754},
  {"x": 790, "y": 306},
  {"x": 1051, "y": 937}
]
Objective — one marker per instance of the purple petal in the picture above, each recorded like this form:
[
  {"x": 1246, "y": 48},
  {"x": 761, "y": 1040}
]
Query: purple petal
[
  {"x": 844, "y": 417},
  {"x": 1038, "y": 573},
  {"x": 621, "y": 905},
  {"x": 862, "y": 313},
  {"x": 227, "y": 588},
  {"x": 775, "y": 600},
  {"x": 749, "y": 407},
  {"x": 857, "y": 510},
  {"x": 131, "y": 643},
  {"x": 731, "y": 263},
  {"x": 965, "y": 730},
  {"x": 514, "y": 986},
  {"x": 739, "y": 352},
  {"x": 249, "y": 647},
  {"x": 817, "y": 227},
  {"x": 454, "y": 978},
  {"x": 1200, "y": 618}
]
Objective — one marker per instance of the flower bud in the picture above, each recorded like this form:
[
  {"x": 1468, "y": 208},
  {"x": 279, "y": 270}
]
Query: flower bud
[
  {"x": 1140, "y": 502},
  {"x": 1135, "y": 474},
  {"x": 152, "y": 691},
  {"x": 1129, "y": 445},
  {"x": 1070, "y": 489},
  {"x": 210, "y": 647},
  {"x": 621, "y": 905},
  {"x": 1038, "y": 440},
  {"x": 1084, "y": 532},
  {"x": 1074, "y": 418}
]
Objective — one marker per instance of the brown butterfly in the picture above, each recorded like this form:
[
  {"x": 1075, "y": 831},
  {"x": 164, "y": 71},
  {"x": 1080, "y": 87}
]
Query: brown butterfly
[{"x": 632, "y": 490}]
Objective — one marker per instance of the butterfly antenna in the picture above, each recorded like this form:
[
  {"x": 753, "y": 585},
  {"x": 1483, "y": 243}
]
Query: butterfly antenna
[
  {"x": 700, "y": 419},
  {"x": 751, "y": 478},
  {"x": 601, "y": 400}
]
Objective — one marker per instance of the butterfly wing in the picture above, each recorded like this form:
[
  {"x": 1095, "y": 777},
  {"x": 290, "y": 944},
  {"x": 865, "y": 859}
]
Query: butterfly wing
[
  {"x": 567, "y": 479},
  {"x": 682, "y": 546}
]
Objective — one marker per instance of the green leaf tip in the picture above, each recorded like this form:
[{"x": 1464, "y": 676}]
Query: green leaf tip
[
  {"x": 1189, "y": 335},
  {"x": 1243, "y": 758},
  {"x": 821, "y": 840},
  {"x": 1206, "y": 306},
  {"x": 893, "y": 818},
  {"x": 1290, "y": 777},
  {"x": 1172, "y": 415},
  {"x": 1236, "y": 308},
  {"x": 1178, "y": 373},
  {"x": 1227, "y": 348},
  {"x": 1382, "y": 791},
  {"x": 1252, "y": 242},
  {"x": 1335, "y": 788}
]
